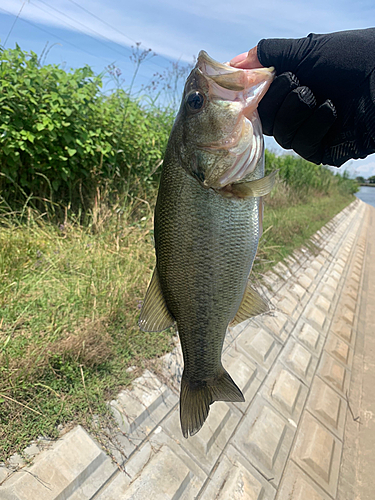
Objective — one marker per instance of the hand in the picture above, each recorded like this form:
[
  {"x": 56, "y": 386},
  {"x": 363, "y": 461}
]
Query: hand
[{"x": 322, "y": 103}]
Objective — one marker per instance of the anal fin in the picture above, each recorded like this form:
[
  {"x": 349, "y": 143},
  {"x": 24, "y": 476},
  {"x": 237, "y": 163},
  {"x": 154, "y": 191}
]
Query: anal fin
[
  {"x": 252, "y": 304},
  {"x": 155, "y": 316}
]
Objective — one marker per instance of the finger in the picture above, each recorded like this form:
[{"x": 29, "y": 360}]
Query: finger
[
  {"x": 238, "y": 59},
  {"x": 275, "y": 96},
  {"x": 247, "y": 60},
  {"x": 308, "y": 140},
  {"x": 297, "y": 107}
]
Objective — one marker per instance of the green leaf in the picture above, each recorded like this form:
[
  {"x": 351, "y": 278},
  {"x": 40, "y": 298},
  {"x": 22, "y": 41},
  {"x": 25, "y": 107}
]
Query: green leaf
[{"x": 29, "y": 136}]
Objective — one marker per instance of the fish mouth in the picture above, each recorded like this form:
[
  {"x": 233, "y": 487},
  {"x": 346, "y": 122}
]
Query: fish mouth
[
  {"x": 247, "y": 85},
  {"x": 245, "y": 141}
]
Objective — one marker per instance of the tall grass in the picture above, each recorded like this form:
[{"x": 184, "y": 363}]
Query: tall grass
[
  {"x": 69, "y": 301},
  {"x": 303, "y": 179}
]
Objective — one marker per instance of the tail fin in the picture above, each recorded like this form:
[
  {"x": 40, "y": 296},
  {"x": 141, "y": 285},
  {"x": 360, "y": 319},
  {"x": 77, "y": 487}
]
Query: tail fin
[{"x": 196, "y": 398}]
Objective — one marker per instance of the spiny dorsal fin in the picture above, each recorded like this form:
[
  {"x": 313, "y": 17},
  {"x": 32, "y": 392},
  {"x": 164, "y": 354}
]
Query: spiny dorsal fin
[
  {"x": 252, "y": 304},
  {"x": 155, "y": 316},
  {"x": 260, "y": 187}
]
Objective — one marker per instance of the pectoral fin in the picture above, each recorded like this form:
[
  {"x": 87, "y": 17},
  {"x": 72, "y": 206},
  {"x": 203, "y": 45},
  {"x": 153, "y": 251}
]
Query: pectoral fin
[
  {"x": 260, "y": 187},
  {"x": 155, "y": 316},
  {"x": 252, "y": 304}
]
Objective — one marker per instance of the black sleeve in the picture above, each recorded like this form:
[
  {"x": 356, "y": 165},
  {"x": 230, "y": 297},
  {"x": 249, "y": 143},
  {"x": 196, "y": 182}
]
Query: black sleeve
[{"x": 338, "y": 69}]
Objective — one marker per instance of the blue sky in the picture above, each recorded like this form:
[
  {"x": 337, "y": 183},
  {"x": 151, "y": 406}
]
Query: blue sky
[{"x": 101, "y": 32}]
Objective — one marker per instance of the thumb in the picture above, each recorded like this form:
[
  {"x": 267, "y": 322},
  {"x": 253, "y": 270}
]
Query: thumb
[{"x": 247, "y": 60}]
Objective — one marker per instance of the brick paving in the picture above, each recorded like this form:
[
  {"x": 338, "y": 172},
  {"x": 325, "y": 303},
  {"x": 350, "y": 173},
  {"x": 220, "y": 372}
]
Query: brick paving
[{"x": 285, "y": 442}]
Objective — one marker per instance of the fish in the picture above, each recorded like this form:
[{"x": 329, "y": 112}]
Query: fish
[{"x": 207, "y": 225}]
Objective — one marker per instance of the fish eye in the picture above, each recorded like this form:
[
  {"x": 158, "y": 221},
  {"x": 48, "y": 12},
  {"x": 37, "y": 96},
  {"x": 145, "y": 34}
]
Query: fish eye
[{"x": 195, "y": 101}]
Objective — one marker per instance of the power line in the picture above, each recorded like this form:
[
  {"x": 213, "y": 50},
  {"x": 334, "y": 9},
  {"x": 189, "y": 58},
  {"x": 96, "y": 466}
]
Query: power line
[
  {"x": 88, "y": 28},
  {"x": 78, "y": 22},
  {"x": 101, "y": 20},
  {"x": 57, "y": 36},
  {"x": 85, "y": 33},
  {"x": 17, "y": 16},
  {"x": 112, "y": 27},
  {"x": 85, "y": 26},
  {"x": 51, "y": 34}
]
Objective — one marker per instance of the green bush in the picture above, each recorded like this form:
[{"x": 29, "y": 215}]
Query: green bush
[
  {"x": 63, "y": 140},
  {"x": 61, "y": 137}
]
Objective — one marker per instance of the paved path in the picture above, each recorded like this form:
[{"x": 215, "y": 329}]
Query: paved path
[{"x": 306, "y": 431}]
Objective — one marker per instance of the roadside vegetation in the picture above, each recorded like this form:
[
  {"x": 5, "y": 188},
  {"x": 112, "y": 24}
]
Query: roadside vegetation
[{"x": 79, "y": 171}]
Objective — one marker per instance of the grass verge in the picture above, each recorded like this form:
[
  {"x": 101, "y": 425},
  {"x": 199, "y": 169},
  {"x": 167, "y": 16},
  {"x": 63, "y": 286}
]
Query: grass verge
[
  {"x": 290, "y": 226},
  {"x": 69, "y": 300}
]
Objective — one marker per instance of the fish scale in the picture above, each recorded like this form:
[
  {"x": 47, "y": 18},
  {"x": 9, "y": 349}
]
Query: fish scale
[{"x": 213, "y": 241}]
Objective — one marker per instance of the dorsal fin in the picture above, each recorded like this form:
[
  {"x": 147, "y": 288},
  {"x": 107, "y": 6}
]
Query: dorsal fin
[
  {"x": 155, "y": 316},
  {"x": 252, "y": 304}
]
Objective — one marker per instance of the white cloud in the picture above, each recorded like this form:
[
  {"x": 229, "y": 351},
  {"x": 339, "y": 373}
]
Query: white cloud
[{"x": 364, "y": 168}]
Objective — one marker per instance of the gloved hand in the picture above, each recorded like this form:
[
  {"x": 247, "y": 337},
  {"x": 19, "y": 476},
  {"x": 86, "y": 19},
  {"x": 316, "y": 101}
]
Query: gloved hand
[{"x": 322, "y": 102}]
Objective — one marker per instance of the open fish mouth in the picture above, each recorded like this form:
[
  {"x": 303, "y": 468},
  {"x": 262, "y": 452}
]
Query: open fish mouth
[
  {"x": 251, "y": 83},
  {"x": 244, "y": 143}
]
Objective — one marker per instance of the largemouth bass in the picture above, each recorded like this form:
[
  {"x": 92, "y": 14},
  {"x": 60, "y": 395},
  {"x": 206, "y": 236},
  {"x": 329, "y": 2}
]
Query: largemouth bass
[{"x": 208, "y": 221}]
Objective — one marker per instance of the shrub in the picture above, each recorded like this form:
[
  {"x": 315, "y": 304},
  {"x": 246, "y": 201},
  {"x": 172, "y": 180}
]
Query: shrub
[
  {"x": 61, "y": 137},
  {"x": 63, "y": 140}
]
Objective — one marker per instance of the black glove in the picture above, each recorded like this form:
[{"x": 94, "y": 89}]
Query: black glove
[{"x": 322, "y": 103}]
